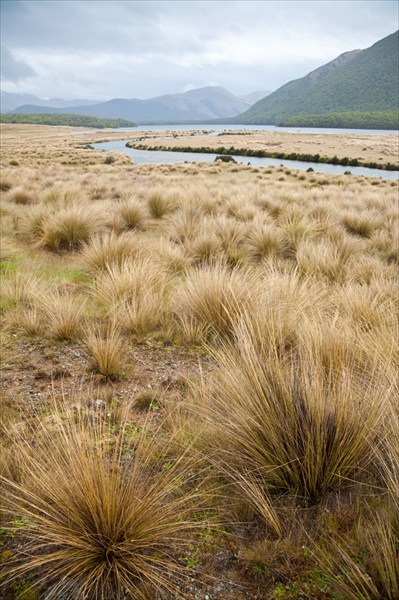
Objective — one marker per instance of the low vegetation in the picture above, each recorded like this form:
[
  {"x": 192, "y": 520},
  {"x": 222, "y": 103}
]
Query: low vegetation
[
  {"x": 388, "y": 119},
  {"x": 199, "y": 379},
  {"x": 65, "y": 119},
  {"x": 226, "y": 153}
]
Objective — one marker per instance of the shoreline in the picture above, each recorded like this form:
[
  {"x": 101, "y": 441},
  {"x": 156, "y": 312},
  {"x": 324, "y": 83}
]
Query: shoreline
[{"x": 232, "y": 151}]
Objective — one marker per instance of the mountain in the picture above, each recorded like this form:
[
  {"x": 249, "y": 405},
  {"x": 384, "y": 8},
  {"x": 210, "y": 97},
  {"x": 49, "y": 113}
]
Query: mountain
[
  {"x": 204, "y": 103},
  {"x": 9, "y": 102},
  {"x": 253, "y": 97},
  {"x": 356, "y": 81}
]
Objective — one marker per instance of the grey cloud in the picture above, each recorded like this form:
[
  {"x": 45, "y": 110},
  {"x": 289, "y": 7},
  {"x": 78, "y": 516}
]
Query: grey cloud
[
  {"x": 137, "y": 48},
  {"x": 13, "y": 69}
]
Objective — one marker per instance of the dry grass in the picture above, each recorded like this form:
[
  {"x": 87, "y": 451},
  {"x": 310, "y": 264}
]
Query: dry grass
[
  {"x": 209, "y": 301},
  {"x": 288, "y": 287},
  {"x": 376, "y": 574},
  {"x": 293, "y": 423},
  {"x": 107, "y": 350},
  {"x": 160, "y": 203},
  {"x": 135, "y": 293},
  {"x": 133, "y": 214},
  {"x": 21, "y": 196},
  {"x": 100, "y": 518},
  {"x": 67, "y": 228},
  {"x": 63, "y": 315},
  {"x": 110, "y": 249}
]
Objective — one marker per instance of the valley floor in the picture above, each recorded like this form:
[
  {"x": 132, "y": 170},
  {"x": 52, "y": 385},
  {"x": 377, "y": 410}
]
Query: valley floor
[{"x": 199, "y": 372}]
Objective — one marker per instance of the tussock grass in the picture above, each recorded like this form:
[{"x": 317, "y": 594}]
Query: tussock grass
[
  {"x": 205, "y": 249},
  {"x": 185, "y": 224},
  {"x": 209, "y": 300},
  {"x": 36, "y": 220},
  {"x": 63, "y": 314},
  {"x": 68, "y": 228},
  {"x": 110, "y": 249},
  {"x": 132, "y": 214},
  {"x": 263, "y": 241},
  {"x": 321, "y": 259},
  {"x": 21, "y": 196},
  {"x": 29, "y": 320},
  {"x": 135, "y": 293},
  {"x": 290, "y": 422},
  {"x": 170, "y": 256},
  {"x": 295, "y": 228},
  {"x": 5, "y": 184},
  {"x": 361, "y": 225},
  {"x": 101, "y": 519},
  {"x": 21, "y": 289},
  {"x": 376, "y": 574},
  {"x": 107, "y": 350},
  {"x": 63, "y": 196},
  {"x": 160, "y": 203}
]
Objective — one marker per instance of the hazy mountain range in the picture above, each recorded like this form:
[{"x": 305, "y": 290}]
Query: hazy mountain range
[
  {"x": 10, "y": 102},
  {"x": 204, "y": 103},
  {"x": 358, "y": 81},
  {"x": 359, "y": 86}
]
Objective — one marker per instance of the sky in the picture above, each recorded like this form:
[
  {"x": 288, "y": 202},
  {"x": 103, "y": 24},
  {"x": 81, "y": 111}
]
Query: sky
[{"x": 140, "y": 49}]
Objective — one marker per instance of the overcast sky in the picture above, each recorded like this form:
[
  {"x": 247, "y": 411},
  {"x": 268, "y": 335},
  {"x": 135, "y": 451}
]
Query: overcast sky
[{"x": 105, "y": 49}]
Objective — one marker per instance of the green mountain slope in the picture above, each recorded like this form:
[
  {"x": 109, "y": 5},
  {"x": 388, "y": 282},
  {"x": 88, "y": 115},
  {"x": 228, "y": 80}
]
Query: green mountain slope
[{"x": 357, "y": 81}]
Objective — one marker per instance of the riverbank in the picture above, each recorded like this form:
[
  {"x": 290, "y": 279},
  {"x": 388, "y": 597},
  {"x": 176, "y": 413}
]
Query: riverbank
[
  {"x": 367, "y": 149},
  {"x": 293, "y": 156},
  {"x": 372, "y": 151}
]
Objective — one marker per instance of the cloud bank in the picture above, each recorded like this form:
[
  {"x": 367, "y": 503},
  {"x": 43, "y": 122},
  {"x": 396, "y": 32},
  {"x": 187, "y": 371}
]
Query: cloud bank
[{"x": 103, "y": 49}]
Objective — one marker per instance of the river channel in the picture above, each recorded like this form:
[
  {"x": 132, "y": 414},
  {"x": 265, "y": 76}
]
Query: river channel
[{"x": 165, "y": 157}]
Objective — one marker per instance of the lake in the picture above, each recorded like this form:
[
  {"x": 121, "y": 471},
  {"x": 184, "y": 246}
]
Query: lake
[
  {"x": 159, "y": 157},
  {"x": 219, "y": 128}
]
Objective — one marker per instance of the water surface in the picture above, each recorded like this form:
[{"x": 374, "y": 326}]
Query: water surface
[
  {"x": 221, "y": 128},
  {"x": 159, "y": 157}
]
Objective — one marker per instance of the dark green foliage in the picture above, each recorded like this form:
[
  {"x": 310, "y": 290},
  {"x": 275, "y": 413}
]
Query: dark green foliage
[
  {"x": 387, "y": 119},
  {"x": 225, "y": 158},
  {"x": 65, "y": 119},
  {"x": 361, "y": 81}
]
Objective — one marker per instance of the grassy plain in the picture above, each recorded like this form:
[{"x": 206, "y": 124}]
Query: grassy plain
[
  {"x": 199, "y": 375},
  {"x": 379, "y": 149}
]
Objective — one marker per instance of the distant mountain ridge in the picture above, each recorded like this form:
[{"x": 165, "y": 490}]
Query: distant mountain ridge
[
  {"x": 9, "y": 102},
  {"x": 356, "y": 81},
  {"x": 210, "y": 102}
]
